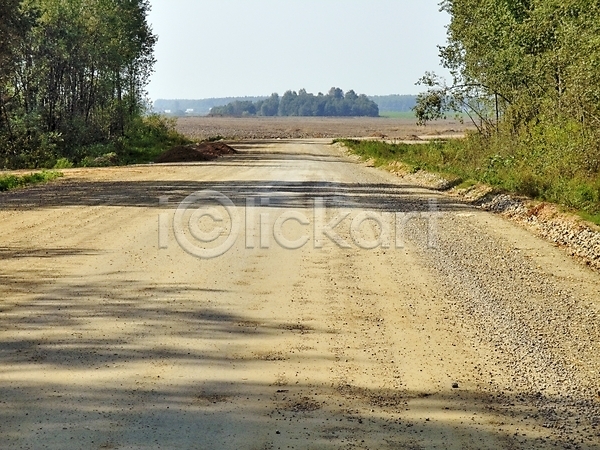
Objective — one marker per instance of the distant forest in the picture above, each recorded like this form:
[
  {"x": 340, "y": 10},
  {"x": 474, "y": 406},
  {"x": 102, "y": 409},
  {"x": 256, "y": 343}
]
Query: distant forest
[
  {"x": 201, "y": 107},
  {"x": 182, "y": 107},
  {"x": 301, "y": 103}
]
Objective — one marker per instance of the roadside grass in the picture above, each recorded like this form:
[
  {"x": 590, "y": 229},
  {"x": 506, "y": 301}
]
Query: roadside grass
[
  {"x": 8, "y": 182},
  {"x": 547, "y": 173},
  {"x": 215, "y": 138},
  {"x": 466, "y": 184},
  {"x": 594, "y": 218},
  {"x": 413, "y": 157}
]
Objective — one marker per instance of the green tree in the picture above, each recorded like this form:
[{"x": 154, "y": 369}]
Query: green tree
[
  {"x": 270, "y": 106},
  {"x": 288, "y": 105},
  {"x": 519, "y": 60},
  {"x": 79, "y": 74},
  {"x": 528, "y": 74},
  {"x": 12, "y": 30}
]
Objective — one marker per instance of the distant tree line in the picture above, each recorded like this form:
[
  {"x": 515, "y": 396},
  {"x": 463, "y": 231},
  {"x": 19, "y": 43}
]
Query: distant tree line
[
  {"x": 198, "y": 107},
  {"x": 72, "y": 74},
  {"x": 201, "y": 107},
  {"x": 302, "y": 103}
]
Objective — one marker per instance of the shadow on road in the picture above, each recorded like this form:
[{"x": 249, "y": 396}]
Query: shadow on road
[
  {"x": 373, "y": 197},
  {"x": 50, "y": 331}
]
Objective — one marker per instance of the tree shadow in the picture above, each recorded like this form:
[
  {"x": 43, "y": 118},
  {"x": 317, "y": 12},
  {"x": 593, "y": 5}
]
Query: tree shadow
[
  {"x": 65, "y": 380},
  {"x": 157, "y": 413},
  {"x": 38, "y": 253},
  {"x": 146, "y": 194},
  {"x": 65, "y": 308}
]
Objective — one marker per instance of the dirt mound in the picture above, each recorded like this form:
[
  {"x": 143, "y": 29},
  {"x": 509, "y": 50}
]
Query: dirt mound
[{"x": 205, "y": 151}]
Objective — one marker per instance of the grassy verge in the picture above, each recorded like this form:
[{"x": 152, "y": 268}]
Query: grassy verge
[
  {"x": 8, "y": 182},
  {"x": 544, "y": 175}
]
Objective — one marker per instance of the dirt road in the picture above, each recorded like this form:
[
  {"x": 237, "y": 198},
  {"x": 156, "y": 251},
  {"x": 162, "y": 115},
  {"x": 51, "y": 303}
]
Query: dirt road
[{"x": 466, "y": 333}]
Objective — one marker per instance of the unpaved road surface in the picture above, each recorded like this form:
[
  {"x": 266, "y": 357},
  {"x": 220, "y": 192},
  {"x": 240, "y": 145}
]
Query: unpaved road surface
[{"x": 466, "y": 333}]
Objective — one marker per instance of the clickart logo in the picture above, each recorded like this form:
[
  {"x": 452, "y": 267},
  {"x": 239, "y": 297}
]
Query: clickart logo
[{"x": 207, "y": 224}]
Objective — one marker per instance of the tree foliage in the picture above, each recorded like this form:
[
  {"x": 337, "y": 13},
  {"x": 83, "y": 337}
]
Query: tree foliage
[
  {"x": 73, "y": 75},
  {"x": 519, "y": 62},
  {"x": 302, "y": 103},
  {"x": 528, "y": 74}
]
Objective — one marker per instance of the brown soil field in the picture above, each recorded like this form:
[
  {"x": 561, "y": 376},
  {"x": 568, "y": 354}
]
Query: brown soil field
[{"x": 313, "y": 127}]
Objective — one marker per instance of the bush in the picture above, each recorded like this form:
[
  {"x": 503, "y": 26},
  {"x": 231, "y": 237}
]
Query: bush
[
  {"x": 147, "y": 138},
  {"x": 63, "y": 163}
]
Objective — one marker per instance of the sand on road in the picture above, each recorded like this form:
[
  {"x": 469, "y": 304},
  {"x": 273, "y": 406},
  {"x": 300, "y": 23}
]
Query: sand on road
[{"x": 461, "y": 331}]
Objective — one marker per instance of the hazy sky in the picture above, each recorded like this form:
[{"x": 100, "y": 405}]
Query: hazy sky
[{"x": 220, "y": 48}]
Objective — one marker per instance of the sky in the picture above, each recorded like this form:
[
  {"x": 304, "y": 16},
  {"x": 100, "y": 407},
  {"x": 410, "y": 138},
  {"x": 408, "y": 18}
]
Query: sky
[{"x": 230, "y": 48}]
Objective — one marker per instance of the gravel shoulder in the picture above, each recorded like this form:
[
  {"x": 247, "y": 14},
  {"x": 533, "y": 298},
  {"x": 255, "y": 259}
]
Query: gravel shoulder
[{"x": 467, "y": 333}]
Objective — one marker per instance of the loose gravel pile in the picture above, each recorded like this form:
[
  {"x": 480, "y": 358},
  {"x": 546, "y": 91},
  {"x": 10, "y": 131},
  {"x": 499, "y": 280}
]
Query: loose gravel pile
[
  {"x": 580, "y": 239},
  {"x": 205, "y": 151}
]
